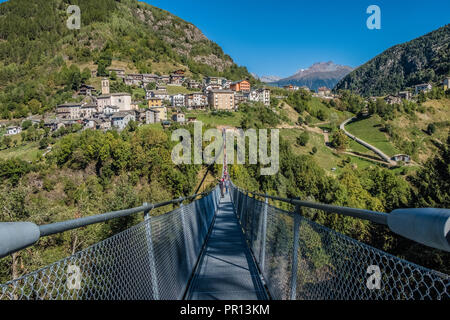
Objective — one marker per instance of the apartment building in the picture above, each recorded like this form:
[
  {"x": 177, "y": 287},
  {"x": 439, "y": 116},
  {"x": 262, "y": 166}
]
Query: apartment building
[
  {"x": 155, "y": 102},
  {"x": 178, "y": 100},
  {"x": 221, "y": 99},
  {"x": 242, "y": 85},
  {"x": 196, "y": 100}
]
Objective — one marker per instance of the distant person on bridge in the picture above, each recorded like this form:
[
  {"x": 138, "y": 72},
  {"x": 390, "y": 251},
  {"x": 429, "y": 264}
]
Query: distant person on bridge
[{"x": 221, "y": 185}]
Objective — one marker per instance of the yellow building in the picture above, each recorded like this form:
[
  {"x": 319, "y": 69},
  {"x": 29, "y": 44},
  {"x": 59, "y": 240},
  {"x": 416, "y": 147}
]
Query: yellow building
[
  {"x": 155, "y": 102},
  {"x": 162, "y": 112}
]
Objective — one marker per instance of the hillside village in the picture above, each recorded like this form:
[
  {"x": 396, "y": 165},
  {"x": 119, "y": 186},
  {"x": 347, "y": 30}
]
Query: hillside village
[{"x": 106, "y": 110}]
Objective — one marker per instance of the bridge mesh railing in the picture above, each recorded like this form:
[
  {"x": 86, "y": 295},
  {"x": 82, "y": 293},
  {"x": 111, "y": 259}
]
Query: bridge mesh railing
[
  {"x": 153, "y": 260},
  {"x": 330, "y": 266}
]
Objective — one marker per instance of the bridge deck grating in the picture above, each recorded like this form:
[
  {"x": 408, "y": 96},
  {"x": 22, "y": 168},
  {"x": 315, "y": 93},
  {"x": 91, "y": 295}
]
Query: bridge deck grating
[{"x": 226, "y": 269}]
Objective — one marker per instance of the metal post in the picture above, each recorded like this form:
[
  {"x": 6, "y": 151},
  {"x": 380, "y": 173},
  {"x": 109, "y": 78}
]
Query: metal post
[
  {"x": 241, "y": 196},
  {"x": 186, "y": 238},
  {"x": 241, "y": 213},
  {"x": 295, "y": 253},
  {"x": 262, "y": 255},
  {"x": 151, "y": 254},
  {"x": 245, "y": 213},
  {"x": 253, "y": 221}
]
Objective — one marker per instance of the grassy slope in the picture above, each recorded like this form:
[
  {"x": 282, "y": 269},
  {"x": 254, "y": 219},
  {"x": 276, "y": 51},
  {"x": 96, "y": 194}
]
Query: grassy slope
[
  {"x": 29, "y": 152},
  {"x": 325, "y": 157},
  {"x": 413, "y": 129},
  {"x": 369, "y": 131}
]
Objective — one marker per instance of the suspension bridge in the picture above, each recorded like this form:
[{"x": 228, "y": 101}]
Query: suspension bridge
[{"x": 239, "y": 246}]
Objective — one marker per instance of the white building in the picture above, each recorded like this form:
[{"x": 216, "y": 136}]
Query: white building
[
  {"x": 120, "y": 100},
  {"x": 12, "y": 130},
  {"x": 196, "y": 100},
  {"x": 260, "y": 95},
  {"x": 178, "y": 100},
  {"x": 121, "y": 119},
  {"x": 179, "y": 117},
  {"x": 109, "y": 110},
  {"x": 151, "y": 116},
  {"x": 160, "y": 94},
  {"x": 424, "y": 87}
]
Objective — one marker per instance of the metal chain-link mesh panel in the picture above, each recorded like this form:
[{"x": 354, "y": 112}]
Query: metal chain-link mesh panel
[
  {"x": 330, "y": 265},
  {"x": 152, "y": 260}
]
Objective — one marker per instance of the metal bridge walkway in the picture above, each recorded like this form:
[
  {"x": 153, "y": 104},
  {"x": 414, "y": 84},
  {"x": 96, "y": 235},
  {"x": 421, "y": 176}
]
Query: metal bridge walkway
[{"x": 226, "y": 270}]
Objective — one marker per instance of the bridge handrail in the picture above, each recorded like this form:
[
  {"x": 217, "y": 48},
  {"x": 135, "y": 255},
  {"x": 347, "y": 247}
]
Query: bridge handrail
[
  {"x": 15, "y": 236},
  {"x": 428, "y": 226}
]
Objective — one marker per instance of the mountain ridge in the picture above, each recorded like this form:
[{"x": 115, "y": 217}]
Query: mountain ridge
[
  {"x": 320, "y": 74},
  {"x": 423, "y": 59}
]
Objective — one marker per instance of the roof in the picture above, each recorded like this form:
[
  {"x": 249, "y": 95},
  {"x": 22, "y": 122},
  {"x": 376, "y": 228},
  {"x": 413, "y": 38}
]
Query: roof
[
  {"x": 91, "y": 105},
  {"x": 69, "y": 104},
  {"x": 120, "y": 114},
  {"x": 235, "y": 82},
  {"x": 114, "y": 94},
  {"x": 221, "y": 91},
  {"x": 423, "y": 84},
  {"x": 87, "y": 86}
]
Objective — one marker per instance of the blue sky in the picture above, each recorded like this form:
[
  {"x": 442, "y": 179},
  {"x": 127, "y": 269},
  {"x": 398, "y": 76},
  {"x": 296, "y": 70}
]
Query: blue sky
[{"x": 279, "y": 37}]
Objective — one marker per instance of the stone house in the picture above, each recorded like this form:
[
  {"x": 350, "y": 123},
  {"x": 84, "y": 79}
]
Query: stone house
[
  {"x": 68, "y": 110},
  {"x": 390, "y": 99},
  {"x": 120, "y": 100},
  {"x": 86, "y": 90}
]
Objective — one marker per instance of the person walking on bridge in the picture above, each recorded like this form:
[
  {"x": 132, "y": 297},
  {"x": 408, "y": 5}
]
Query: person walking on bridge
[{"x": 221, "y": 185}]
